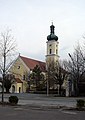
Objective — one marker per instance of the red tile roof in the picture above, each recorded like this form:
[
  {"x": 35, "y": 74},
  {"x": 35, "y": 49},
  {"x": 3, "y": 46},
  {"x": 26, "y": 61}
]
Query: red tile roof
[
  {"x": 31, "y": 63},
  {"x": 18, "y": 80}
]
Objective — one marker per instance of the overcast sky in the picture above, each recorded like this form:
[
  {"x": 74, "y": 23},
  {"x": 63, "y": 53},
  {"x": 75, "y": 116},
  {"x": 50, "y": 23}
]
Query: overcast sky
[{"x": 30, "y": 22}]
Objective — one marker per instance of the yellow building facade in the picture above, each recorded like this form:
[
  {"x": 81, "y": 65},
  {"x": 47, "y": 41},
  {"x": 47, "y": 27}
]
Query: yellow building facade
[{"x": 21, "y": 69}]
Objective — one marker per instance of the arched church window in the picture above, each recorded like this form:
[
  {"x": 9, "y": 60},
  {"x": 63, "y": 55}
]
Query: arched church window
[
  {"x": 50, "y": 51},
  {"x": 56, "y": 51},
  {"x": 18, "y": 67}
]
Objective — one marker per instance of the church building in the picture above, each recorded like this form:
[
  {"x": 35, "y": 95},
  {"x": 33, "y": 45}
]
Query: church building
[{"x": 23, "y": 66}]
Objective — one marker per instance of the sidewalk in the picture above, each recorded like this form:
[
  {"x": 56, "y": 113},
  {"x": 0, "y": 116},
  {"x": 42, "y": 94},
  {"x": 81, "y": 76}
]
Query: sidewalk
[
  {"x": 45, "y": 103},
  {"x": 43, "y": 100}
]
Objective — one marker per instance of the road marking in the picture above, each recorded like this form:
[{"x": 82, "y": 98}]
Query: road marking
[
  {"x": 69, "y": 112},
  {"x": 18, "y": 108}
]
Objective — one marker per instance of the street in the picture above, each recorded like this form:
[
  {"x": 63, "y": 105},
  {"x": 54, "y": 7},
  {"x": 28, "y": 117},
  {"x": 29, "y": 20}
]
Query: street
[{"x": 24, "y": 113}]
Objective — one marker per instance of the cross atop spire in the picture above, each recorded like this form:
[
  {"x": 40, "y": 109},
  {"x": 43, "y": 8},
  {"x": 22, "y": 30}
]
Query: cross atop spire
[
  {"x": 52, "y": 22},
  {"x": 52, "y": 29}
]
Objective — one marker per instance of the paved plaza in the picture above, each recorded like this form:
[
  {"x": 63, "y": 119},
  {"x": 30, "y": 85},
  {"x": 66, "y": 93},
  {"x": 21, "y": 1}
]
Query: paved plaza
[
  {"x": 40, "y": 107},
  {"x": 43, "y": 100}
]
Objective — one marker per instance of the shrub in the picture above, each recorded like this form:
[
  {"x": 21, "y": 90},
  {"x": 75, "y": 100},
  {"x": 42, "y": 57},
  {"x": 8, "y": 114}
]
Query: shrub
[
  {"x": 13, "y": 99},
  {"x": 80, "y": 103}
]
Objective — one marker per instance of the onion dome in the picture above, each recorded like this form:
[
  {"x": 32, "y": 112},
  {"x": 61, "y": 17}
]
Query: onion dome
[{"x": 52, "y": 35}]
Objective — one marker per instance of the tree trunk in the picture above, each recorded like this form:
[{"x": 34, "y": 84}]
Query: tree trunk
[
  {"x": 7, "y": 90},
  {"x": 60, "y": 90}
]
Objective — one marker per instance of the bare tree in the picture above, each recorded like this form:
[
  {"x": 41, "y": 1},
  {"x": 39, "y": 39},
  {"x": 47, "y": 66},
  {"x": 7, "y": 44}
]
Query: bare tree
[
  {"x": 7, "y": 52},
  {"x": 56, "y": 74},
  {"x": 61, "y": 75},
  {"x": 50, "y": 73},
  {"x": 76, "y": 67}
]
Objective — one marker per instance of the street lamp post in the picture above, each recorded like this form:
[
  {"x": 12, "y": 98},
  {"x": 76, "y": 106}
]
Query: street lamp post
[
  {"x": 73, "y": 71},
  {"x": 47, "y": 87},
  {"x": 3, "y": 76},
  {"x": 47, "y": 82},
  {"x": 58, "y": 89}
]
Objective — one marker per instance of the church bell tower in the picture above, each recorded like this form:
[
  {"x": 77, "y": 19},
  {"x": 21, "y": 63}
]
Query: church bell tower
[{"x": 52, "y": 46}]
